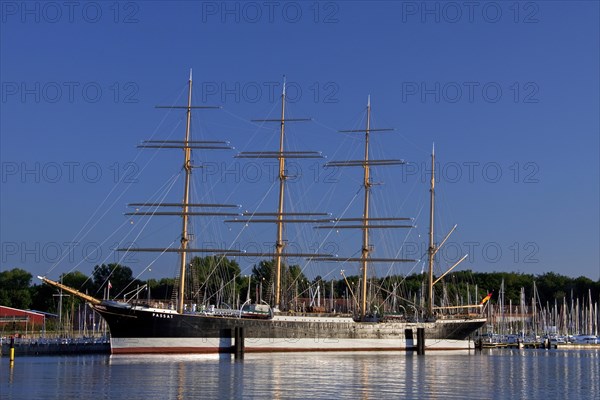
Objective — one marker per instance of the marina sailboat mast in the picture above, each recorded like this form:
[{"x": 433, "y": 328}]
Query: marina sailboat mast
[{"x": 366, "y": 221}]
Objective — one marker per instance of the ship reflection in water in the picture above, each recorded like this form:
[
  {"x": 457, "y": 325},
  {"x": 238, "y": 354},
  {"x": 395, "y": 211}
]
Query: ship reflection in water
[{"x": 489, "y": 374}]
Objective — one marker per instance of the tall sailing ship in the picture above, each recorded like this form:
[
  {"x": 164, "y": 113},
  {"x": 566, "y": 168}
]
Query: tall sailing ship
[{"x": 146, "y": 328}]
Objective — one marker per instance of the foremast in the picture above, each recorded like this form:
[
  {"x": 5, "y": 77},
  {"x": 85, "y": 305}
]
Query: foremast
[{"x": 186, "y": 207}]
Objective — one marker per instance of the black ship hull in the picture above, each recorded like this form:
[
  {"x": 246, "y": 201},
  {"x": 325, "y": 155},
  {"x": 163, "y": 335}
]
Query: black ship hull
[{"x": 149, "y": 330}]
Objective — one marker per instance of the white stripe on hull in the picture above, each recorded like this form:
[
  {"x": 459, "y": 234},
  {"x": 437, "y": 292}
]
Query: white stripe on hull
[{"x": 216, "y": 345}]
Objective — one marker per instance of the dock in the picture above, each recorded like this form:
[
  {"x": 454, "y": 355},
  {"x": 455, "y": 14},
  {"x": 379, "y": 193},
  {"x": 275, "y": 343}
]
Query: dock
[
  {"x": 59, "y": 346},
  {"x": 541, "y": 345}
]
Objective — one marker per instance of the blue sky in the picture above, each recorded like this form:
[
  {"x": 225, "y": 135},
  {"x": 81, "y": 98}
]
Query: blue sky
[{"x": 508, "y": 91}]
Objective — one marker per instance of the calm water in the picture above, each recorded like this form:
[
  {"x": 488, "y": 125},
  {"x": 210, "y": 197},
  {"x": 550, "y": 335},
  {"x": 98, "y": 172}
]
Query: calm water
[{"x": 498, "y": 374}]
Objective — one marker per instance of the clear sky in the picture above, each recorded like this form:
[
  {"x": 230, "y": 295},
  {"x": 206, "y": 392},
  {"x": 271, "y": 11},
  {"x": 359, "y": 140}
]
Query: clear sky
[{"x": 508, "y": 91}]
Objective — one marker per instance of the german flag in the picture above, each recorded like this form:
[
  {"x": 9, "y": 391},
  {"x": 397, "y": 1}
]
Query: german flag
[{"x": 486, "y": 298}]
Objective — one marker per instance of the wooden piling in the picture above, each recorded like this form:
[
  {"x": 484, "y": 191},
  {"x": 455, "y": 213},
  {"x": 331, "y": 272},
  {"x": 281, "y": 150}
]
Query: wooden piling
[
  {"x": 420, "y": 341},
  {"x": 238, "y": 345},
  {"x": 410, "y": 341}
]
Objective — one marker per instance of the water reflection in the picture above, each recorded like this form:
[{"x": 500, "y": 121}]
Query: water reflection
[{"x": 492, "y": 374}]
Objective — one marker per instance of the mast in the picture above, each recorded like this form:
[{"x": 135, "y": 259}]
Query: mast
[
  {"x": 187, "y": 166},
  {"x": 365, "y": 221},
  {"x": 185, "y": 209},
  {"x": 432, "y": 249},
  {"x": 281, "y": 217},
  {"x": 282, "y": 178}
]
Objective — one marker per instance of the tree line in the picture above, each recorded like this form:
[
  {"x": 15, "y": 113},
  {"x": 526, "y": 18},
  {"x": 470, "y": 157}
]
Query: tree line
[{"x": 219, "y": 280}]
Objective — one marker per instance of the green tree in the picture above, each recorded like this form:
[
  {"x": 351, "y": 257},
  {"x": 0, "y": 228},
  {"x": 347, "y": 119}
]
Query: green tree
[
  {"x": 215, "y": 279},
  {"x": 78, "y": 280},
  {"x": 120, "y": 278},
  {"x": 43, "y": 299},
  {"x": 292, "y": 277},
  {"x": 14, "y": 288},
  {"x": 161, "y": 289},
  {"x": 264, "y": 271}
]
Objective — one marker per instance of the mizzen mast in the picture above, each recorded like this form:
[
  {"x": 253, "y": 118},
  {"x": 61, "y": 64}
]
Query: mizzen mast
[{"x": 431, "y": 250}]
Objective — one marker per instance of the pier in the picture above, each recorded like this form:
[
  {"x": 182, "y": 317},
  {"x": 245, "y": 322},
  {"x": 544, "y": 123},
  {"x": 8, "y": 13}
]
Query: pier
[{"x": 57, "y": 346}]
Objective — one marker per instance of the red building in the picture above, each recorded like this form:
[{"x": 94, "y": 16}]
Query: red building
[{"x": 13, "y": 319}]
